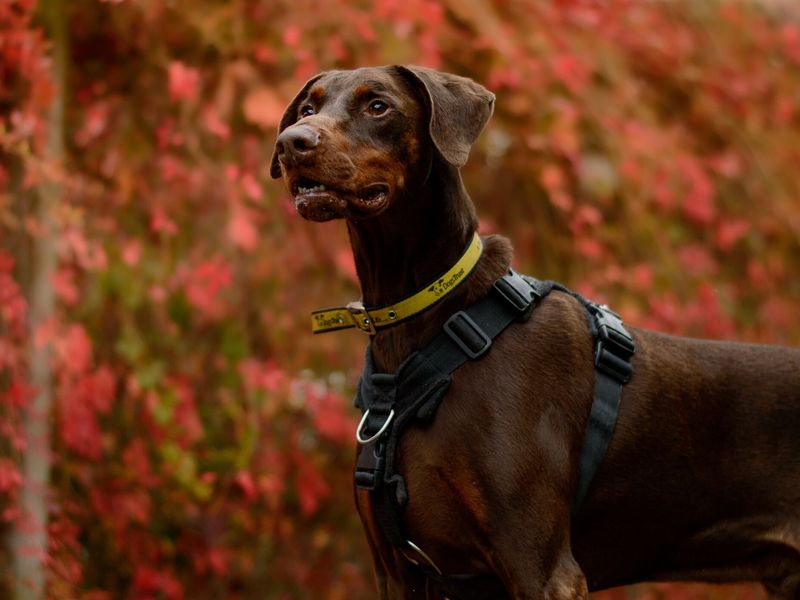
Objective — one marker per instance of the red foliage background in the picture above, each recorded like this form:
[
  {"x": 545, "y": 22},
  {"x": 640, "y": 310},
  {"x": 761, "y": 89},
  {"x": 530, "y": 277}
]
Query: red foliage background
[{"x": 644, "y": 153}]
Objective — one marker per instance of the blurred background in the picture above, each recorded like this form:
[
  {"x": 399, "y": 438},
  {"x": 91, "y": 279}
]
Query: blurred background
[{"x": 169, "y": 428}]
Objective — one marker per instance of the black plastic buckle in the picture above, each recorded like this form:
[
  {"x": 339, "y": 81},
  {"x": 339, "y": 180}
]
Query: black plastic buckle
[
  {"x": 369, "y": 466},
  {"x": 517, "y": 293},
  {"x": 615, "y": 345},
  {"x": 467, "y": 335}
]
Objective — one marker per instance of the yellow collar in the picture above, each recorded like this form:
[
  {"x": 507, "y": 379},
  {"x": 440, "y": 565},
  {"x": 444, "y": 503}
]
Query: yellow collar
[{"x": 369, "y": 320}]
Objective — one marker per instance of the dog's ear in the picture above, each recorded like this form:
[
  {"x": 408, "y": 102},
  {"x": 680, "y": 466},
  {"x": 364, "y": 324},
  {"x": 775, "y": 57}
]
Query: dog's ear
[
  {"x": 289, "y": 118},
  {"x": 458, "y": 109}
]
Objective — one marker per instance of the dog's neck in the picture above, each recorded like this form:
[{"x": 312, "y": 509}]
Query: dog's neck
[
  {"x": 413, "y": 241},
  {"x": 419, "y": 237}
]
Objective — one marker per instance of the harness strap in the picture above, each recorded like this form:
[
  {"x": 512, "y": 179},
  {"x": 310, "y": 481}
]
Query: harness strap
[
  {"x": 468, "y": 334},
  {"x": 613, "y": 351},
  {"x": 415, "y": 390}
]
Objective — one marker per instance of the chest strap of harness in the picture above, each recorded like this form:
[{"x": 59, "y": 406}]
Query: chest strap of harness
[{"x": 393, "y": 401}]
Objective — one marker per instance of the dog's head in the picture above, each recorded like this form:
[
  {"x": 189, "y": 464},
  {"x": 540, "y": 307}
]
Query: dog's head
[{"x": 351, "y": 142}]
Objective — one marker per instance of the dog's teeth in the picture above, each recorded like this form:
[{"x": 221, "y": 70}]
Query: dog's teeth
[{"x": 308, "y": 190}]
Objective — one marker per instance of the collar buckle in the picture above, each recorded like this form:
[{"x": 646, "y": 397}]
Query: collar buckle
[{"x": 361, "y": 317}]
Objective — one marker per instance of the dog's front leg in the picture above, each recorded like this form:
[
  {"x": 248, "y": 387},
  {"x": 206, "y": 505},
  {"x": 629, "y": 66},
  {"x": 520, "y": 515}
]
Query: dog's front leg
[
  {"x": 406, "y": 582},
  {"x": 533, "y": 556},
  {"x": 561, "y": 580},
  {"x": 566, "y": 581},
  {"x": 395, "y": 577},
  {"x": 398, "y": 579}
]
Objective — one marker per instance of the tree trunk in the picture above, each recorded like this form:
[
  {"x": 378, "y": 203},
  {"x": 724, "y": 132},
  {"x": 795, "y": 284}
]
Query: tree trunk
[{"x": 29, "y": 538}]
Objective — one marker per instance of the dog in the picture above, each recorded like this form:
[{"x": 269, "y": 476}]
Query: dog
[{"x": 701, "y": 481}]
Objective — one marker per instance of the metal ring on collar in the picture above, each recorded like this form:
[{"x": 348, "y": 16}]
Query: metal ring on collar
[{"x": 372, "y": 438}]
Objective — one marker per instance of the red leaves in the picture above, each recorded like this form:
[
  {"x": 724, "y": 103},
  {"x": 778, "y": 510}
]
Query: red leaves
[
  {"x": 642, "y": 277},
  {"x": 190, "y": 429},
  {"x": 84, "y": 392},
  {"x": 64, "y": 286},
  {"x": 184, "y": 81},
  {"x": 261, "y": 376},
  {"x": 790, "y": 38},
  {"x": 244, "y": 481},
  {"x": 216, "y": 562},
  {"x": 10, "y": 478},
  {"x": 13, "y": 306},
  {"x": 241, "y": 228},
  {"x": 204, "y": 284},
  {"x": 589, "y": 248},
  {"x": 131, "y": 252},
  {"x": 730, "y": 231},
  {"x": 215, "y": 124},
  {"x": 346, "y": 265},
  {"x": 263, "y": 107},
  {"x": 83, "y": 397},
  {"x": 585, "y": 219},
  {"x": 137, "y": 464},
  {"x": 94, "y": 124},
  {"x": 331, "y": 414},
  {"x": 683, "y": 591},
  {"x": 160, "y": 222},
  {"x": 79, "y": 429},
  {"x": 74, "y": 350},
  {"x": 154, "y": 582},
  {"x": 554, "y": 181},
  {"x": 696, "y": 260},
  {"x": 572, "y": 72},
  {"x": 292, "y": 36},
  {"x": 312, "y": 488}
]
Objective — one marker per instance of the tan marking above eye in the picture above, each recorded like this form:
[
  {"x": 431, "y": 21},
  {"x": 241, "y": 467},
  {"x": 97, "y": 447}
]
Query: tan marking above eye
[{"x": 317, "y": 95}]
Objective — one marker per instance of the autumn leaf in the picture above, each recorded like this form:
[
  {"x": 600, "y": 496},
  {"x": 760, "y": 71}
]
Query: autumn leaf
[
  {"x": 262, "y": 107},
  {"x": 184, "y": 81},
  {"x": 242, "y": 230}
]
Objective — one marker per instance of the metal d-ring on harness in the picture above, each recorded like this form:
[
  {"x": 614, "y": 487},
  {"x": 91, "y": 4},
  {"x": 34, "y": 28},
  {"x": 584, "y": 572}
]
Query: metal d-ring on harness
[
  {"x": 375, "y": 435},
  {"x": 393, "y": 401}
]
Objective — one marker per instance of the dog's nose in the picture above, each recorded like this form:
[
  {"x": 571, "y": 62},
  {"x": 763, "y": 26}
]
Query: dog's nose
[{"x": 297, "y": 143}]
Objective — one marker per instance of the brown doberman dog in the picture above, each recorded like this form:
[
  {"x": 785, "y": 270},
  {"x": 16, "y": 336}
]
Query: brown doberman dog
[{"x": 702, "y": 477}]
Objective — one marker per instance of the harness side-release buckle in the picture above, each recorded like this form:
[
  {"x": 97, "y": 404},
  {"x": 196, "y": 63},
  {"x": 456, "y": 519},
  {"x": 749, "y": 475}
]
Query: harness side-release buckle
[
  {"x": 516, "y": 292},
  {"x": 370, "y": 465},
  {"x": 615, "y": 345},
  {"x": 467, "y": 335}
]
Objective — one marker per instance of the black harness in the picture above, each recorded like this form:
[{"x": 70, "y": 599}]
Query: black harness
[{"x": 393, "y": 401}]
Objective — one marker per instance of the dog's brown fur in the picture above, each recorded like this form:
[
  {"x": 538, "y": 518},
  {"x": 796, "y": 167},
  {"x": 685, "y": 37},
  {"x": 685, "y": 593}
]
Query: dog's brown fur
[{"x": 702, "y": 478}]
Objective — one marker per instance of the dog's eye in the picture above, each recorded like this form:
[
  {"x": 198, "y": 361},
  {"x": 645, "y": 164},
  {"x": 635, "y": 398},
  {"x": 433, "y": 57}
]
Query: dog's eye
[
  {"x": 377, "y": 107},
  {"x": 306, "y": 110}
]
